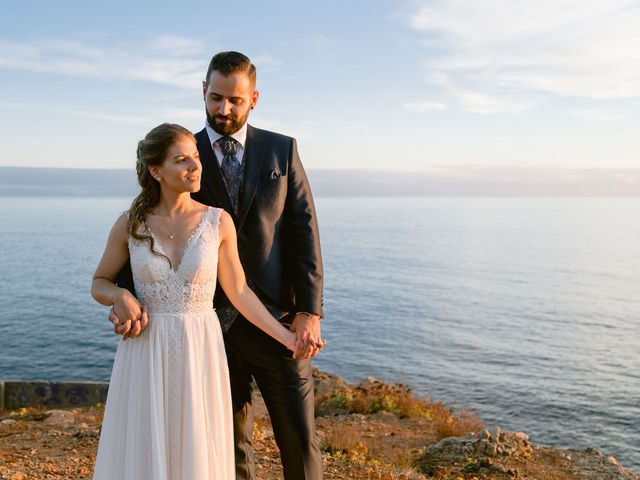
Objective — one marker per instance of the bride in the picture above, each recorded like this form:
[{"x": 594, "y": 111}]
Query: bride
[{"x": 168, "y": 414}]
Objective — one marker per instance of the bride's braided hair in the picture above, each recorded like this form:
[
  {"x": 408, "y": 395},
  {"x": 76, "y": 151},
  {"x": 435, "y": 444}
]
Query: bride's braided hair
[{"x": 152, "y": 151}]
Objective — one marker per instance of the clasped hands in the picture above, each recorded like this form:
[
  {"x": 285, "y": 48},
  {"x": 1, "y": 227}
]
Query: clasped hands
[
  {"x": 307, "y": 330},
  {"x": 129, "y": 319}
]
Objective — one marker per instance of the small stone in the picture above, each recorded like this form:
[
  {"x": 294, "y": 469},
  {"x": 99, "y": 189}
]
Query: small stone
[
  {"x": 594, "y": 451},
  {"x": 60, "y": 418},
  {"x": 8, "y": 421},
  {"x": 480, "y": 445},
  {"x": 523, "y": 437},
  {"x": 612, "y": 460},
  {"x": 491, "y": 450},
  {"x": 499, "y": 468}
]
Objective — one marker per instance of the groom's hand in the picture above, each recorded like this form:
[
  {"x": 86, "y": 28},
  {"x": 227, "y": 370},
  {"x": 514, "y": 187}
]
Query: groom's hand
[{"x": 307, "y": 330}]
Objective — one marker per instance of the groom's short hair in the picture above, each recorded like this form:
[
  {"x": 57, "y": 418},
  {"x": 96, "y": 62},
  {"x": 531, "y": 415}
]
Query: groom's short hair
[{"x": 228, "y": 63}]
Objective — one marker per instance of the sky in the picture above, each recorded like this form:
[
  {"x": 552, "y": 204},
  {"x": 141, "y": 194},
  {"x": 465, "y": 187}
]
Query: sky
[{"x": 409, "y": 86}]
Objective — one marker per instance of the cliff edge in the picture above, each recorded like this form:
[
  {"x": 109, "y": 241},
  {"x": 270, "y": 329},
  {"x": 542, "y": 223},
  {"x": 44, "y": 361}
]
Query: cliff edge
[{"x": 371, "y": 430}]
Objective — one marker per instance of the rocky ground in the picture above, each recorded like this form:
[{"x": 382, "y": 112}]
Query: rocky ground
[{"x": 368, "y": 431}]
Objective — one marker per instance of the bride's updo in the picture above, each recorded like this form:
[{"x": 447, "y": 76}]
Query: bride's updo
[{"x": 152, "y": 151}]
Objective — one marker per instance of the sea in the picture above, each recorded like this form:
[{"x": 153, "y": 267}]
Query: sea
[{"x": 525, "y": 311}]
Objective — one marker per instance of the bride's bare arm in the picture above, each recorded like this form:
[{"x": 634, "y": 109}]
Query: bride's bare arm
[
  {"x": 103, "y": 287},
  {"x": 233, "y": 282}
]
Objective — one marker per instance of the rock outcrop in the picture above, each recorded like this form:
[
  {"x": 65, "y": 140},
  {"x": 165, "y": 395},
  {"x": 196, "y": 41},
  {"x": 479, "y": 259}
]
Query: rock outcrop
[{"x": 511, "y": 454}]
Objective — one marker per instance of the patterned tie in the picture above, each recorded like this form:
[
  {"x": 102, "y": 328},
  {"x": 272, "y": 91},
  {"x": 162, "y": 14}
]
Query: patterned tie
[{"x": 231, "y": 170}]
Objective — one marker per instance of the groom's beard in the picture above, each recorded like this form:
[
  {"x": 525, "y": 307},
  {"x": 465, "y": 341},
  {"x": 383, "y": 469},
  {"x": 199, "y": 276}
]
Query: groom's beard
[{"x": 226, "y": 128}]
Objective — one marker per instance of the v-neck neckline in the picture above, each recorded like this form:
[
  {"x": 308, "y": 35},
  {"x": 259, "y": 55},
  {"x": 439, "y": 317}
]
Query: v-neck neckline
[{"x": 186, "y": 245}]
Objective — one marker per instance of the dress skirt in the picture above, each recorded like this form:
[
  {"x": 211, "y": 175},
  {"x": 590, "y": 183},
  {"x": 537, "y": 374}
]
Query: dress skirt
[{"x": 168, "y": 414}]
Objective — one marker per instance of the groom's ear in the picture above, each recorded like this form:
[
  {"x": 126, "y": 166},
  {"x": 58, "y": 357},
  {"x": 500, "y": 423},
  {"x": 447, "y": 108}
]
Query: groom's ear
[
  {"x": 254, "y": 98},
  {"x": 204, "y": 88}
]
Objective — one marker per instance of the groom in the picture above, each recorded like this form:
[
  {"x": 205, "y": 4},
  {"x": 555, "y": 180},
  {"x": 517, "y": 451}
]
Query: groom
[{"x": 257, "y": 177}]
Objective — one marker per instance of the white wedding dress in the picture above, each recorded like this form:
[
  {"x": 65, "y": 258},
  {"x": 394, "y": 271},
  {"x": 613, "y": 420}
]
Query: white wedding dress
[{"x": 168, "y": 414}]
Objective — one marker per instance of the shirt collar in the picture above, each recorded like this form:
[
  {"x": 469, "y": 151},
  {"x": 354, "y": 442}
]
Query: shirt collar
[{"x": 240, "y": 136}]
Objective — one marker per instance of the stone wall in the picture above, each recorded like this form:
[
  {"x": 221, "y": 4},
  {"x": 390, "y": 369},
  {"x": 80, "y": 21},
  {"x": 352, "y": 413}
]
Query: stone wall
[{"x": 17, "y": 394}]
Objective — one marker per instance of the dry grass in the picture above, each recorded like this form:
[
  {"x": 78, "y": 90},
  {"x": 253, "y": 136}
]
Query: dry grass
[
  {"x": 344, "y": 442},
  {"x": 373, "y": 396},
  {"x": 89, "y": 414},
  {"x": 25, "y": 413},
  {"x": 446, "y": 423}
]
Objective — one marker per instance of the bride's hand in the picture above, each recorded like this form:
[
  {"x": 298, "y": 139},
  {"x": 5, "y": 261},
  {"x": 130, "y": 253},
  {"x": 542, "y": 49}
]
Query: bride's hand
[{"x": 294, "y": 344}]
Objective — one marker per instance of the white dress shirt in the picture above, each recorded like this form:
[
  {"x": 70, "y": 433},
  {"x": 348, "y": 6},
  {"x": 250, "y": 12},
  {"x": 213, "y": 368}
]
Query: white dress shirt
[{"x": 240, "y": 136}]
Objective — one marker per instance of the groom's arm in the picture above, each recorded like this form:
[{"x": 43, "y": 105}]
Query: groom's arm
[
  {"x": 302, "y": 225},
  {"x": 125, "y": 278}
]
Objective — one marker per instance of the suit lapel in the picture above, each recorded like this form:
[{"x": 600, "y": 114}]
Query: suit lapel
[
  {"x": 253, "y": 156},
  {"x": 211, "y": 175}
]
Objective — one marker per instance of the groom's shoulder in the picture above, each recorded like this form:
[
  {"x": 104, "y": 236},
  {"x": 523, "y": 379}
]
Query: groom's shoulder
[
  {"x": 201, "y": 134},
  {"x": 202, "y": 138}
]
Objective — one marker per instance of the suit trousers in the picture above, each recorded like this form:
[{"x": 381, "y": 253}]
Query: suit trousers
[{"x": 287, "y": 388}]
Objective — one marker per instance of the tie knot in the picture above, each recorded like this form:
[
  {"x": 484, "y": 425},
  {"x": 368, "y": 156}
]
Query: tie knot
[{"x": 228, "y": 145}]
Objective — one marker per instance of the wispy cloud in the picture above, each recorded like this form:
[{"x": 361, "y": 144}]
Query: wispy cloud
[
  {"x": 177, "y": 45},
  {"x": 420, "y": 107},
  {"x": 320, "y": 126},
  {"x": 186, "y": 115},
  {"x": 112, "y": 118},
  {"x": 478, "y": 101},
  {"x": 167, "y": 60},
  {"x": 266, "y": 61},
  {"x": 499, "y": 49},
  {"x": 597, "y": 114}
]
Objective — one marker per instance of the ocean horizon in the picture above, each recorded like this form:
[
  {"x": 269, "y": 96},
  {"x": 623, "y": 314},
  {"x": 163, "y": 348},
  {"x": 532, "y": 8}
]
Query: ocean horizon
[{"x": 454, "y": 181}]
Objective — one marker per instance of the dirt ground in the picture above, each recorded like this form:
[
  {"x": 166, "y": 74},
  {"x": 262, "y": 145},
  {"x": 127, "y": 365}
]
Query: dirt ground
[
  {"x": 371, "y": 430},
  {"x": 37, "y": 444}
]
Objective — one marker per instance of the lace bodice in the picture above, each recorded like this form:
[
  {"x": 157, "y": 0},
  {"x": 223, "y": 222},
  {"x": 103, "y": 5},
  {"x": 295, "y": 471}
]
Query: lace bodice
[{"x": 191, "y": 286}]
